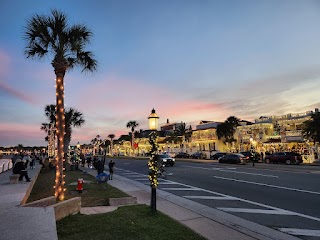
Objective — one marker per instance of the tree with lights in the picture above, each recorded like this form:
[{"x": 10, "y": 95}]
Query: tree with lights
[
  {"x": 111, "y": 136},
  {"x": 51, "y": 35},
  {"x": 132, "y": 125}
]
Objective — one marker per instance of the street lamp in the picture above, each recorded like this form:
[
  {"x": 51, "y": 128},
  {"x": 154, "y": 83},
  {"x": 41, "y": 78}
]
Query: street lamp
[
  {"x": 153, "y": 120},
  {"x": 153, "y": 163}
]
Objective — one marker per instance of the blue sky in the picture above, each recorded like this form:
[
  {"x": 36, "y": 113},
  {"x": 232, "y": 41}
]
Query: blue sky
[{"x": 190, "y": 60}]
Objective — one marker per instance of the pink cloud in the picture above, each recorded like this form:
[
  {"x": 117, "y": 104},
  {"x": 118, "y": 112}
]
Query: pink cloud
[
  {"x": 113, "y": 94},
  {"x": 17, "y": 94},
  {"x": 16, "y": 133}
]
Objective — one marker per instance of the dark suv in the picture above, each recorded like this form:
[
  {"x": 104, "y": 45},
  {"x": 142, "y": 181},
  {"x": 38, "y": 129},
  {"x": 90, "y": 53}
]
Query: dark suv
[
  {"x": 198, "y": 155},
  {"x": 284, "y": 157},
  {"x": 251, "y": 156},
  {"x": 217, "y": 155},
  {"x": 182, "y": 155}
]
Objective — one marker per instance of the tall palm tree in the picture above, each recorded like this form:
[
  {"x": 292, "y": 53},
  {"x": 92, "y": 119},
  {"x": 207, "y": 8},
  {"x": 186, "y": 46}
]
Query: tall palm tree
[
  {"x": 51, "y": 34},
  {"x": 111, "y": 136},
  {"x": 132, "y": 125}
]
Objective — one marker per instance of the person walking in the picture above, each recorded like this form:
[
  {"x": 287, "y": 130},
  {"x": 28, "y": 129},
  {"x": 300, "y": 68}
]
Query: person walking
[
  {"x": 111, "y": 167},
  {"x": 99, "y": 166}
]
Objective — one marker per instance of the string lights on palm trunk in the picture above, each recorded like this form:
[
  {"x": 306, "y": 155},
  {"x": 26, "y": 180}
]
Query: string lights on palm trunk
[{"x": 60, "y": 125}]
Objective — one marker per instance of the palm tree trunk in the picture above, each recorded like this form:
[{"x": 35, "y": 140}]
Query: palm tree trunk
[
  {"x": 132, "y": 141},
  {"x": 60, "y": 121},
  {"x": 67, "y": 140},
  {"x": 111, "y": 147}
]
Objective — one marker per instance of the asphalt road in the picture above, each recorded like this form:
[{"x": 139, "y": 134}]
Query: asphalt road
[{"x": 282, "y": 197}]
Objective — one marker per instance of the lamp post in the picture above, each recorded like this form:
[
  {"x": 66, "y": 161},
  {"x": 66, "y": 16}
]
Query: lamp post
[{"x": 153, "y": 163}]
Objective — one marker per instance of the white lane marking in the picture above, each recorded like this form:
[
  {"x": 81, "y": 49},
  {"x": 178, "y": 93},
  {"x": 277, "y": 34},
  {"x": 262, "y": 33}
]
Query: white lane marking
[
  {"x": 301, "y": 232},
  {"x": 181, "y": 189},
  {"x": 131, "y": 173},
  {"x": 268, "y": 185},
  {"x": 226, "y": 170},
  {"x": 261, "y": 211},
  {"x": 140, "y": 175},
  {"x": 211, "y": 198}
]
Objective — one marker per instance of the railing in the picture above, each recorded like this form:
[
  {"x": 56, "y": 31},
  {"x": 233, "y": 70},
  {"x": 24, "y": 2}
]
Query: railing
[
  {"x": 5, "y": 165},
  {"x": 297, "y": 133}
]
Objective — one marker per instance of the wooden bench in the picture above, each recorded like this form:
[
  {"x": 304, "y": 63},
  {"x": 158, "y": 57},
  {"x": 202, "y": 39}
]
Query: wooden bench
[{"x": 14, "y": 178}]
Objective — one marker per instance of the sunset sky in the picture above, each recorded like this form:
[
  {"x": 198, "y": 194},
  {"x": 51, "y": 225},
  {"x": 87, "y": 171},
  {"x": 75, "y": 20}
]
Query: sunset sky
[{"x": 191, "y": 60}]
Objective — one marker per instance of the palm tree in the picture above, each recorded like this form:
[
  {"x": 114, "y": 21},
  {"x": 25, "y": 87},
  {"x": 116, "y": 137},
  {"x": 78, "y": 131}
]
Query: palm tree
[
  {"x": 311, "y": 128},
  {"x": 95, "y": 142},
  {"x": 73, "y": 118},
  {"x": 111, "y": 136},
  {"x": 46, "y": 127},
  {"x": 132, "y": 125},
  {"x": 183, "y": 131},
  {"x": 226, "y": 130},
  {"x": 51, "y": 34}
]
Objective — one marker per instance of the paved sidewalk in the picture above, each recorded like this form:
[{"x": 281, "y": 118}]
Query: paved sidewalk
[
  {"x": 17, "y": 222},
  {"x": 208, "y": 222}
]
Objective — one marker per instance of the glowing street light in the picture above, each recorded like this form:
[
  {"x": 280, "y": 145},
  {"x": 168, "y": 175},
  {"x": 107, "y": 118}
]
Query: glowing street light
[
  {"x": 153, "y": 120},
  {"x": 153, "y": 163}
]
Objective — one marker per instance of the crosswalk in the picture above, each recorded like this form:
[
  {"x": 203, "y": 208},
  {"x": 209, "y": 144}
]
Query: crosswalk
[{"x": 218, "y": 200}]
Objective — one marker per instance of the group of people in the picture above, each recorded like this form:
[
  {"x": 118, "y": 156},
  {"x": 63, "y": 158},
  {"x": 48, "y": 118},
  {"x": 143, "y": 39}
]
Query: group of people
[
  {"x": 99, "y": 166},
  {"x": 22, "y": 161}
]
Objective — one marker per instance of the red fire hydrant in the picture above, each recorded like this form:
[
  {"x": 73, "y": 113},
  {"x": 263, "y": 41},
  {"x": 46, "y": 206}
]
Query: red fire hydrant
[{"x": 80, "y": 185}]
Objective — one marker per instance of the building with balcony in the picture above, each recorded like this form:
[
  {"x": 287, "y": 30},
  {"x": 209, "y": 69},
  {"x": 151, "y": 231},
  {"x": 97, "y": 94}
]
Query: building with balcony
[{"x": 274, "y": 133}]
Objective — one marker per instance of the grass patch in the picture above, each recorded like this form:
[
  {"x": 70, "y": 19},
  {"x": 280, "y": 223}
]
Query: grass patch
[
  {"x": 43, "y": 186},
  {"x": 128, "y": 222},
  {"x": 93, "y": 195}
]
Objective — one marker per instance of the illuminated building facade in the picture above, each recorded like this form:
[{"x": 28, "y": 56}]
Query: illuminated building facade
[{"x": 274, "y": 133}]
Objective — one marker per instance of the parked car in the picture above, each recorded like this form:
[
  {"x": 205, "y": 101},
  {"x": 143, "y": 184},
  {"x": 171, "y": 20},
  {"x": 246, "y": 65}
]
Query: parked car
[
  {"x": 167, "y": 160},
  {"x": 198, "y": 155},
  {"x": 182, "y": 155},
  {"x": 251, "y": 156},
  {"x": 284, "y": 157},
  {"x": 236, "y": 158},
  {"x": 217, "y": 155}
]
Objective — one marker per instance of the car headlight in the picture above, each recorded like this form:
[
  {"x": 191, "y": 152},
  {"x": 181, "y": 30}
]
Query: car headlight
[{"x": 164, "y": 160}]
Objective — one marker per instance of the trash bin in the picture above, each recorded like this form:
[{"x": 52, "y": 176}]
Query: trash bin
[{"x": 72, "y": 167}]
